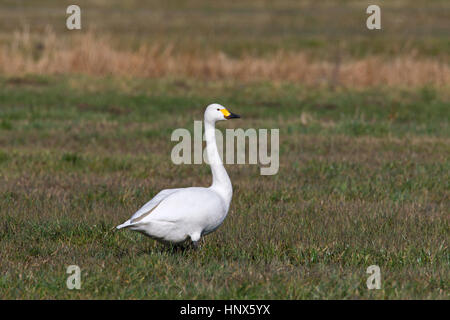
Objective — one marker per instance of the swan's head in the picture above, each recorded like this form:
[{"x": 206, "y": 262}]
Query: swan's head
[{"x": 216, "y": 112}]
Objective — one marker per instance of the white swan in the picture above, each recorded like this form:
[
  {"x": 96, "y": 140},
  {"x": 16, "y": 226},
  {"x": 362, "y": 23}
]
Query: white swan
[{"x": 174, "y": 215}]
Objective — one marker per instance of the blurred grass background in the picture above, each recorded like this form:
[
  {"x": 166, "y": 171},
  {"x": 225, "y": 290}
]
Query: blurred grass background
[
  {"x": 256, "y": 27},
  {"x": 325, "y": 43}
]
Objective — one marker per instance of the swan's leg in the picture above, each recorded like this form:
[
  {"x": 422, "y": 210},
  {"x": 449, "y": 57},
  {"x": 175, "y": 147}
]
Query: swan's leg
[{"x": 195, "y": 238}]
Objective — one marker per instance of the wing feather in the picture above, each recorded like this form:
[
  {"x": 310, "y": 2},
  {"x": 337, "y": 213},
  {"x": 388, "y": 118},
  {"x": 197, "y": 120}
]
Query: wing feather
[{"x": 149, "y": 206}]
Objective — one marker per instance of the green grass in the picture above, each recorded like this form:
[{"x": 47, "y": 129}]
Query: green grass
[{"x": 363, "y": 180}]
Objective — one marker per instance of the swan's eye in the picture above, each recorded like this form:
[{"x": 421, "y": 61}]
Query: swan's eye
[{"x": 218, "y": 109}]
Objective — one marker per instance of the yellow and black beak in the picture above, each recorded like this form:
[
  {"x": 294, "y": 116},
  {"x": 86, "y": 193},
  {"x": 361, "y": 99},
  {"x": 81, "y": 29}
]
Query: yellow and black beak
[{"x": 229, "y": 115}]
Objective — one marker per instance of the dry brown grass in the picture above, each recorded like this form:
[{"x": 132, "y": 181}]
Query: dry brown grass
[{"x": 93, "y": 55}]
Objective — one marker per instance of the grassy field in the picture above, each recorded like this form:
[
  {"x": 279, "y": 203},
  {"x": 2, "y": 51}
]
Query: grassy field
[
  {"x": 86, "y": 119},
  {"x": 314, "y": 43},
  {"x": 257, "y": 27},
  {"x": 364, "y": 179}
]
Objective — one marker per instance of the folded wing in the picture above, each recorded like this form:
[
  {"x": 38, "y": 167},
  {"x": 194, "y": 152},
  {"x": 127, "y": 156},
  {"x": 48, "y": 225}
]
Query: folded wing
[{"x": 148, "y": 207}]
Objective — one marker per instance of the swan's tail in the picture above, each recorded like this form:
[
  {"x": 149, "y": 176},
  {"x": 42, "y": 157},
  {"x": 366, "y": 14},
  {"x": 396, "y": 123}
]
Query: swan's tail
[{"x": 124, "y": 225}]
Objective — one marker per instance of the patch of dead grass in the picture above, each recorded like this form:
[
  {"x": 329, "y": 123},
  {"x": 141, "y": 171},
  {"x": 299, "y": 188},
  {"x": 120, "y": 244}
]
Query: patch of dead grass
[{"x": 93, "y": 55}]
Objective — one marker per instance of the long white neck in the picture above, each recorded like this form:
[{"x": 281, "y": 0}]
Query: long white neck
[{"x": 221, "y": 182}]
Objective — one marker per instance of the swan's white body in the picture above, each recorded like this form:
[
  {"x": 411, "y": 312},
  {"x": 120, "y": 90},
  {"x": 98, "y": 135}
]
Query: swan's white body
[{"x": 174, "y": 215}]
